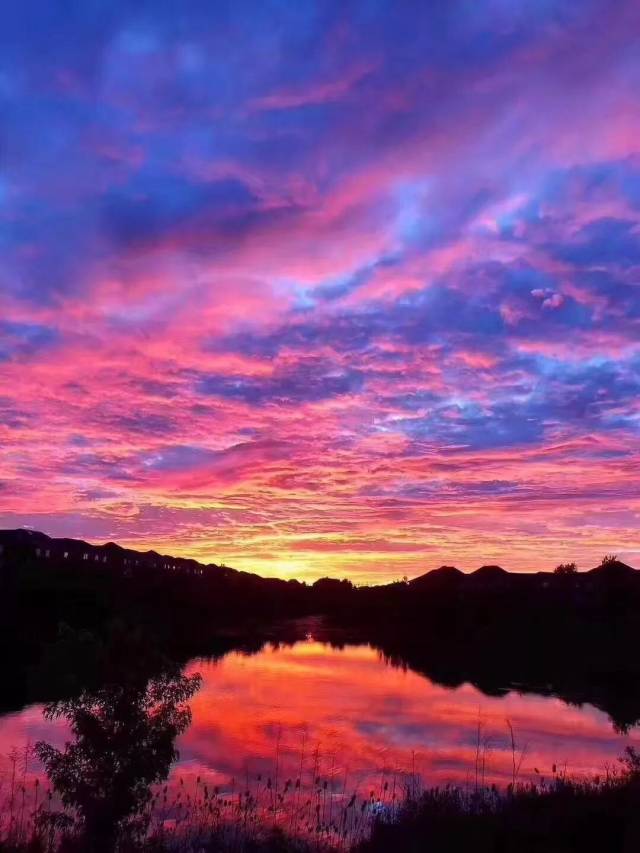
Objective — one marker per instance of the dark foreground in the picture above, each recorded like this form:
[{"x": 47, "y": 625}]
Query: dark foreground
[
  {"x": 562, "y": 816},
  {"x": 100, "y": 633},
  {"x": 601, "y": 815}
]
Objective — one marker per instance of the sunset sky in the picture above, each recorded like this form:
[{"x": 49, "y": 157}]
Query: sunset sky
[{"x": 346, "y": 288}]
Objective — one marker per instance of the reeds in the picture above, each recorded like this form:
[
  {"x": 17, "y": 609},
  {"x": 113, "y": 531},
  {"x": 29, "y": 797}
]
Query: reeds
[
  {"x": 558, "y": 813},
  {"x": 318, "y": 809}
]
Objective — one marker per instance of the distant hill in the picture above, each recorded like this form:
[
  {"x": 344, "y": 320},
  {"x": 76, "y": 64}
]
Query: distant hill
[
  {"x": 39, "y": 546},
  {"x": 613, "y": 569},
  {"x": 46, "y": 582},
  {"x": 445, "y": 576},
  {"x": 495, "y": 577}
]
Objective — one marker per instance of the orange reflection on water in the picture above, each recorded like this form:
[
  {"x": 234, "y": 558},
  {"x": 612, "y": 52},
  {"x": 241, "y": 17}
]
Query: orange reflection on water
[
  {"x": 311, "y": 711},
  {"x": 359, "y": 720}
]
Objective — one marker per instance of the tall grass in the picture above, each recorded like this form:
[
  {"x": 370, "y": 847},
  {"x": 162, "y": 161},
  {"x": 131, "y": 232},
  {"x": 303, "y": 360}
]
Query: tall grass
[
  {"x": 320, "y": 810},
  {"x": 558, "y": 814}
]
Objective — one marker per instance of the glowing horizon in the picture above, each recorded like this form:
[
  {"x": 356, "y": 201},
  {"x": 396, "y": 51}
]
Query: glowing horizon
[{"x": 323, "y": 289}]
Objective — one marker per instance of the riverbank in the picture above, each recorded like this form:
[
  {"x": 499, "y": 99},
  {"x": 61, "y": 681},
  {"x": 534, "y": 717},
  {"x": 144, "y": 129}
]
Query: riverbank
[
  {"x": 558, "y": 815},
  {"x": 555, "y": 815}
]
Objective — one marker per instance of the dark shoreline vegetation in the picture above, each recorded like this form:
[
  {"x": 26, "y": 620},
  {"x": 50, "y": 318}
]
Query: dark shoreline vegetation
[
  {"x": 562, "y": 815},
  {"x": 553, "y": 814},
  {"x": 100, "y": 633},
  {"x": 557, "y": 814},
  {"x": 568, "y": 634}
]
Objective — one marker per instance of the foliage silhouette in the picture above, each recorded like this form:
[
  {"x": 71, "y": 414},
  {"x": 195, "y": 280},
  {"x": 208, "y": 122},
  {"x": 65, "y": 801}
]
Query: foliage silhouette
[
  {"x": 559, "y": 814},
  {"x": 566, "y": 569},
  {"x": 124, "y": 743}
]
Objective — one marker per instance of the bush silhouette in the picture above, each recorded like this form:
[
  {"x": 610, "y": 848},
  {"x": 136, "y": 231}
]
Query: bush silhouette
[
  {"x": 124, "y": 742},
  {"x": 566, "y": 569}
]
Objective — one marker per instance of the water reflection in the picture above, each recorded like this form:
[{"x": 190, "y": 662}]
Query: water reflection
[
  {"x": 369, "y": 719},
  {"x": 291, "y": 715}
]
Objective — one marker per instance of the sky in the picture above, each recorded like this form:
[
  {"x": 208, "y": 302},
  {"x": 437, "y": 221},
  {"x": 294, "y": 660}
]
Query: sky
[{"x": 323, "y": 288}]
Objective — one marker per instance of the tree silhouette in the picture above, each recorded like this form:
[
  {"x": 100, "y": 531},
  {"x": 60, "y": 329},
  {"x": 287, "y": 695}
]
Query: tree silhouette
[
  {"x": 565, "y": 569},
  {"x": 124, "y": 743}
]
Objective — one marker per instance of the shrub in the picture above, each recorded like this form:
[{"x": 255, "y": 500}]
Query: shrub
[{"x": 566, "y": 569}]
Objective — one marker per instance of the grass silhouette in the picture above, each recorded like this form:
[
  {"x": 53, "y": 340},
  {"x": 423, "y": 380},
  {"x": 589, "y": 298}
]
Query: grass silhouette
[{"x": 264, "y": 814}]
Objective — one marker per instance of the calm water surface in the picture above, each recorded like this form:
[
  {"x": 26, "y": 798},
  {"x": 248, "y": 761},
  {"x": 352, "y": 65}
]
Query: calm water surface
[{"x": 311, "y": 710}]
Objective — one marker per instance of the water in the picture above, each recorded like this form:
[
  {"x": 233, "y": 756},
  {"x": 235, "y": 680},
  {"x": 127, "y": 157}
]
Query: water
[
  {"x": 345, "y": 715},
  {"x": 369, "y": 720}
]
